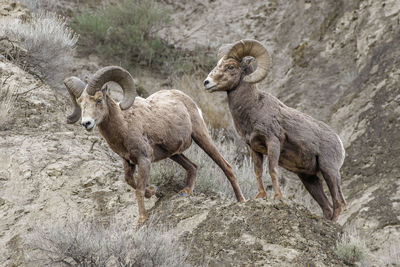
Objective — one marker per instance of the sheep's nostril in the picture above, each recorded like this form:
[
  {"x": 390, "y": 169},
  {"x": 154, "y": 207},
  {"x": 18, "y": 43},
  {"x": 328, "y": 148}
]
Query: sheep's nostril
[
  {"x": 206, "y": 82},
  {"x": 86, "y": 124}
]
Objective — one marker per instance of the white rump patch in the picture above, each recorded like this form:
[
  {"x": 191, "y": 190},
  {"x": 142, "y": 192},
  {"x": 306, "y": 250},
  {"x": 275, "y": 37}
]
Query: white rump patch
[
  {"x": 201, "y": 113},
  {"x": 343, "y": 151}
]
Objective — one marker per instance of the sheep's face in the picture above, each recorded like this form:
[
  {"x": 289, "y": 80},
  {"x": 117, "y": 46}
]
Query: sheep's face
[
  {"x": 225, "y": 76},
  {"x": 94, "y": 109}
]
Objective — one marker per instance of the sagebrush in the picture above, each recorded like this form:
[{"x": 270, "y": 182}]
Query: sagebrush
[
  {"x": 7, "y": 103},
  {"x": 351, "y": 247},
  {"x": 49, "y": 45},
  {"x": 39, "y": 5},
  {"x": 87, "y": 243}
]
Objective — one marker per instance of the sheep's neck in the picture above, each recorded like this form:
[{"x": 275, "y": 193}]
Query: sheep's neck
[
  {"x": 242, "y": 101},
  {"x": 112, "y": 128}
]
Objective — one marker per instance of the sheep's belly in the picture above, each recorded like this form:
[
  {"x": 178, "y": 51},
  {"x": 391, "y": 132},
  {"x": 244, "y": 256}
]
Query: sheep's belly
[
  {"x": 174, "y": 139},
  {"x": 298, "y": 162}
]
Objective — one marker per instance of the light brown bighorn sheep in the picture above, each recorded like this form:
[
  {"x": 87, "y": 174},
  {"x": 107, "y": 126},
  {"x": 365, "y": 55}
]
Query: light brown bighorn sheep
[
  {"x": 289, "y": 138},
  {"x": 143, "y": 131}
]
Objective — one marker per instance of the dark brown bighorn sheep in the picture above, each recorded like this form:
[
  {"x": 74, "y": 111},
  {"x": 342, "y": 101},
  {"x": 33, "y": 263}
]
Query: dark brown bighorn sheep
[
  {"x": 143, "y": 131},
  {"x": 289, "y": 138}
]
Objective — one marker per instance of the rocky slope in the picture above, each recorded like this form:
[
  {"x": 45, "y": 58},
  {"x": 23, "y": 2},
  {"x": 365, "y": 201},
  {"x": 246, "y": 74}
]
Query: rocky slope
[
  {"x": 336, "y": 60},
  {"x": 255, "y": 233},
  {"x": 51, "y": 171}
]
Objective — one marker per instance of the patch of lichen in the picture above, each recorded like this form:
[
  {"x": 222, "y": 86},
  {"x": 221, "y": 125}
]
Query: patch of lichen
[{"x": 298, "y": 55}]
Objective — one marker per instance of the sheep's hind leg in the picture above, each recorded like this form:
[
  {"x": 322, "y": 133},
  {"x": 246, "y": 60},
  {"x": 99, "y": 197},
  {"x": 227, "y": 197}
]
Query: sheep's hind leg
[
  {"x": 332, "y": 178},
  {"x": 273, "y": 161},
  {"x": 258, "y": 160},
  {"x": 205, "y": 142},
  {"x": 191, "y": 172},
  {"x": 314, "y": 186},
  {"x": 130, "y": 179}
]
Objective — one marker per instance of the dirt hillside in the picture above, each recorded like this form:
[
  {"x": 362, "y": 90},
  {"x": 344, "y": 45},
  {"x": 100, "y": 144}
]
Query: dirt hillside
[{"x": 338, "y": 61}]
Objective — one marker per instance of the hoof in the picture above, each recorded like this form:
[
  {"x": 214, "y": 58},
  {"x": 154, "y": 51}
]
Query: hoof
[
  {"x": 183, "y": 194},
  {"x": 262, "y": 195},
  {"x": 141, "y": 220},
  {"x": 150, "y": 191},
  {"x": 155, "y": 187}
]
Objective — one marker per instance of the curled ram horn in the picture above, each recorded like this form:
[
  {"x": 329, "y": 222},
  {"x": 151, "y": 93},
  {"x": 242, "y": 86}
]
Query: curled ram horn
[
  {"x": 223, "y": 50},
  {"x": 118, "y": 75},
  {"x": 75, "y": 88},
  {"x": 253, "y": 48}
]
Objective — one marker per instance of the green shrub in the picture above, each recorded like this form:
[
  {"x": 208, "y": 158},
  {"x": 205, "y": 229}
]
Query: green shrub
[
  {"x": 350, "y": 248},
  {"x": 349, "y": 253},
  {"x": 125, "y": 34}
]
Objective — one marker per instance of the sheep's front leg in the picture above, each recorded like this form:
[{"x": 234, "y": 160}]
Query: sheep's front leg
[
  {"x": 144, "y": 170},
  {"x": 274, "y": 151},
  {"x": 258, "y": 160},
  {"x": 129, "y": 172},
  {"x": 130, "y": 179}
]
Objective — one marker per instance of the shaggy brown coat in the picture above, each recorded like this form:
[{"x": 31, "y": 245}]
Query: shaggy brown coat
[
  {"x": 159, "y": 127},
  {"x": 289, "y": 138}
]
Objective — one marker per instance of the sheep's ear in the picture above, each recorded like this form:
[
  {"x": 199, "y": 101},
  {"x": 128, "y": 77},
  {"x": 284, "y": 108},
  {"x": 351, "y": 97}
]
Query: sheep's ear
[
  {"x": 105, "y": 90},
  {"x": 248, "y": 65}
]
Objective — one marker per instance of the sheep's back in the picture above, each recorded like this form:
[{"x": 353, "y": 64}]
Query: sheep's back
[{"x": 165, "y": 120}]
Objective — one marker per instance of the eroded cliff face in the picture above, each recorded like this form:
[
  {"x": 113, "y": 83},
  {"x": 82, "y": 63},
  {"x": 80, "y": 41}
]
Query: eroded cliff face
[
  {"x": 335, "y": 60},
  {"x": 339, "y": 62}
]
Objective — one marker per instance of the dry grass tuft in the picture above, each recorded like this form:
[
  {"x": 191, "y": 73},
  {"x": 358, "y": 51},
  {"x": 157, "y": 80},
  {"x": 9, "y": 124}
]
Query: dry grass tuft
[
  {"x": 39, "y": 5},
  {"x": 7, "y": 103},
  {"x": 87, "y": 243},
  {"x": 210, "y": 178},
  {"x": 294, "y": 190},
  {"x": 214, "y": 106},
  {"x": 49, "y": 45}
]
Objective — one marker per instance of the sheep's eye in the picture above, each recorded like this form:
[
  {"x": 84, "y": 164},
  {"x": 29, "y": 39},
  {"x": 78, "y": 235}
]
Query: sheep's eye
[
  {"x": 230, "y": 67},
  {"x": 98, "y": 101}
]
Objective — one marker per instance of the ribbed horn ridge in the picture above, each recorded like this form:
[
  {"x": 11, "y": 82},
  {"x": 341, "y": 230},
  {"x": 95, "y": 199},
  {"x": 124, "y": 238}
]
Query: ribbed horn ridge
[
  {"x": 118, "y": 75},
  {"x": 223, "y": 50},
  {"x": 75, "y": 88},
  {"x": 253, "y": 48}
]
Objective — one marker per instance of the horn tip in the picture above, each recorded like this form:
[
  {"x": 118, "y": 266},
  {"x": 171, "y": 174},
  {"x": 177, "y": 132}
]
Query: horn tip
[
  {"x": 67, "y": 80},
  {"x": 125, "y": 105},
  {"x": 71, "y": 120}
]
